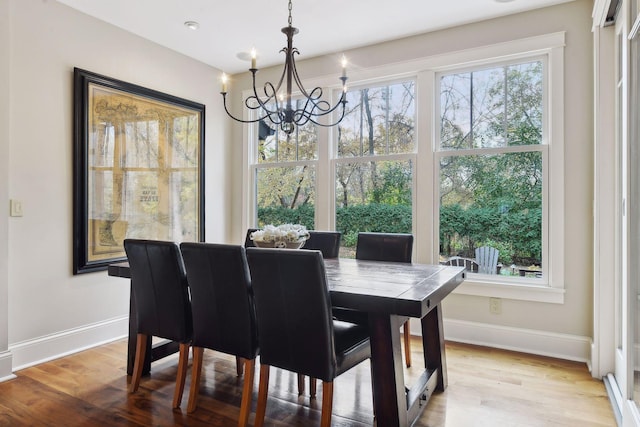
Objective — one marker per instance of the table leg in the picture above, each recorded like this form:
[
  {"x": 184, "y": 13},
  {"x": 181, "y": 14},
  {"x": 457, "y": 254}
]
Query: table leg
[
  {"x": 433, "y": 345},
  {"x": 387, "y": 373}
]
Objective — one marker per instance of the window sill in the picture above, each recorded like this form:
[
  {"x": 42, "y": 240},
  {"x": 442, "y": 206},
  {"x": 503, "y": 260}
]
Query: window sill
[{"x": 509, "y": 290}]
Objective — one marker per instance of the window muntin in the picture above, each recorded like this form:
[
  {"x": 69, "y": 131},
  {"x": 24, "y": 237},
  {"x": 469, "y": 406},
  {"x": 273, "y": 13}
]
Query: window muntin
[{"x": 490, "y": 160}]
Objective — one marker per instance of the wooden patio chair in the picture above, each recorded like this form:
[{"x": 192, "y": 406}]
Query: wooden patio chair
[
  {"x": 469, "y": 264},
  {"x": 487, "y": 259}
]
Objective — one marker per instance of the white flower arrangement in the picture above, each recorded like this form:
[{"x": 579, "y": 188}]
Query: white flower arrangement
[{"x": 282, "y": 236}]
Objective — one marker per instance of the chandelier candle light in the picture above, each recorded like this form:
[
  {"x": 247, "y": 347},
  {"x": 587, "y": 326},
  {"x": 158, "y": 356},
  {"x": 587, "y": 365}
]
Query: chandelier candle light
[{"x": 278, "y": 107}]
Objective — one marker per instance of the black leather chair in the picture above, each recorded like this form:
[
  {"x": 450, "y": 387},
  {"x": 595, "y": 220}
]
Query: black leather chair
[
  {"x": 223, "y": 312},
  {"x": 296, "y": 329},
  {"x": 161, "y": 294},
  {"x": 327, "y": 242},
  {"x": 248, "y": 243},
  {"x": 392, "y": 247}
]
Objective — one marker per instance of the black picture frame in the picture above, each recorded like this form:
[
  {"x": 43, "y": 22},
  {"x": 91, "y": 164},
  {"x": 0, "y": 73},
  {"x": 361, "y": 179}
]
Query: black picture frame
[{"x": 138, "y": 168}]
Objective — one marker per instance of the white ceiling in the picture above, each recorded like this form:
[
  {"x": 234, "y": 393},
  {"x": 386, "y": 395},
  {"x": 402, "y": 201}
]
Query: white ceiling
[{"x": 228, "y": 28}]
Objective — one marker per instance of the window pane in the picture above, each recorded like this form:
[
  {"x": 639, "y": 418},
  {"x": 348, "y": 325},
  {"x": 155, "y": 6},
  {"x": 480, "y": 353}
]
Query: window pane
[
  {"x": 524, "y": 103},
  {"x": 372, "y": 196},
  {"x": 380, "y": 120},
  {"x": 488, "y": 108},
  {"x": 274, "y": 145},
  {"x": 493, "y": 201},
  {"x": 455, "y": 111},
  {"x": 494, "y": 107},
  {"x": 286, "y": 195}
]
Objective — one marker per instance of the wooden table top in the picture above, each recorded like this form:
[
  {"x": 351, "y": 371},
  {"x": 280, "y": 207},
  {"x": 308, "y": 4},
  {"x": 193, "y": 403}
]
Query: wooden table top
[
  {"x": 390, "y": 287},
  {"x": 375, "y": 286}
]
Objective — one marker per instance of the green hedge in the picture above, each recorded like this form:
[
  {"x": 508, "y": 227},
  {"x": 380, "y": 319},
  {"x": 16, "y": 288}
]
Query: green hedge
[
  {"x": 349, "y": 220},
  {"x": 279, "y": 215},
  {"x": 517, "y": 235}
]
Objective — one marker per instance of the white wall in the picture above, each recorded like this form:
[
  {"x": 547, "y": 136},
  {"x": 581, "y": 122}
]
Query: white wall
[
  {"x": 50, "y": 311},
  {"x": 563, "y": 330}
]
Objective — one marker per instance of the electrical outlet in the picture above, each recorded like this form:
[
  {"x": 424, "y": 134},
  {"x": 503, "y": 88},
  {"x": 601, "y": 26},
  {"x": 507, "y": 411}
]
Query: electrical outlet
[
  {"x": 495, "y": 305},
  {"x": 15, "y": 207}
]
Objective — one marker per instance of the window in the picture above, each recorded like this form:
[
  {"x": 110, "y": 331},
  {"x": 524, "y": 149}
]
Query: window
[
  {"x": 491, "y": 166},
  {"x": 284, "y": 169},
  {"x": 374, "y": 164}
]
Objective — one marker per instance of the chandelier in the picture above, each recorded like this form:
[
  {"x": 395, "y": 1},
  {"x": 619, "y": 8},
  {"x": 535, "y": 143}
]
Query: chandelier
[{"x": 277, "y": 103}]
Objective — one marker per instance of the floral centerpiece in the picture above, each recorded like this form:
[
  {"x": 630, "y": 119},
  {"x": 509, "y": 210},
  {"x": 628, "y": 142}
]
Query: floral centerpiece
[{"x": 290, "y": 236}]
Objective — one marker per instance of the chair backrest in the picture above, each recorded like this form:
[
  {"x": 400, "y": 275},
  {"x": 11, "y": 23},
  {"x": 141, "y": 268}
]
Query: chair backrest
[
  {"x": 159, "y": 287},
  {"x": 327, "y": 242},
  {"x": 487, "y": 259},
  {"x": 293, "y": 311},
  {"x": 248, "y": 243},
  {"x": 394, "y": 247},
  {"x": 469, "y": 264},
  {"x": 221, "y": 298}
]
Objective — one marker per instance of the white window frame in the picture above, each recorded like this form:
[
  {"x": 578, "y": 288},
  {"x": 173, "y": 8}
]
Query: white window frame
[{"x": 549, "y": 49}]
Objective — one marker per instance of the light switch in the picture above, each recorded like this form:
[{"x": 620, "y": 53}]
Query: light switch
[{"x": 15, "y": 207}]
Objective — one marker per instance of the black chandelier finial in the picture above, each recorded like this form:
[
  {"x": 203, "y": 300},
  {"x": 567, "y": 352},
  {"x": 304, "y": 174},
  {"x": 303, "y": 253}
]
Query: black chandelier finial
[{"x": 276, "y": 106}]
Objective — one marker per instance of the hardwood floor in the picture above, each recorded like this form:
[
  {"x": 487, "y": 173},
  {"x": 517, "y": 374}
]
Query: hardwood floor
[{"x": 487, "y": 387}]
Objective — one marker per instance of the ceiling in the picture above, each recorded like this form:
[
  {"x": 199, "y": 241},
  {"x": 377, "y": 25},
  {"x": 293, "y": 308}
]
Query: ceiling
[{"x": 228, "y": 30}]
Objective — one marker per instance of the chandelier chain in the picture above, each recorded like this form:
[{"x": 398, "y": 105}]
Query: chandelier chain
[{"x": 290, "y": 7}]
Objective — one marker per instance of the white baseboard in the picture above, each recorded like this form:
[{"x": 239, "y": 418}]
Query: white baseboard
[
  {"x": 49, "y": 347},
  {"x": 6, "y": 366},
  {"x": 562, "y": 346}
]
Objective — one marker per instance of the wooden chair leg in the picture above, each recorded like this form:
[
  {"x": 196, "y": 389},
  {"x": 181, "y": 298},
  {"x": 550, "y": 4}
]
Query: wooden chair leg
[
  {"x": 300, "y": 384},
  {"x": 196, "y": 372},
  {"x": 247, "y": 392},
  {"x": 313, "y": 385},
  {"x": 141, "y": 349},
  {"x": 407, "y": 343},
  {"x": 239, "y": 364},
  {"x": 261, "y": 409},
  {"x": 327, "y": 403},
  {"x": 183, "y": 364}
]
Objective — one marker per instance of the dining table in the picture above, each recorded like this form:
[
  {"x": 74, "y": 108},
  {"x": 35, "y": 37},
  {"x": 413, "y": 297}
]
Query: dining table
[{"x": 389, "y": 293}]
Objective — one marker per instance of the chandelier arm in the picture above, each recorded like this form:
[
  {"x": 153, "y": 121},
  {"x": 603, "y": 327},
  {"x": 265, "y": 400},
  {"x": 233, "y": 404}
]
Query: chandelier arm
[
  {"x": 257, "y": 98},
  {"x": 325, "y": 110},
  {"x": 296, "y": 76},
  {"x": 263, "y": 104},
  {"x": 226, "y": 109},
  {"x": 318, "y": 105},
  {"x": 330, "y": 124}
]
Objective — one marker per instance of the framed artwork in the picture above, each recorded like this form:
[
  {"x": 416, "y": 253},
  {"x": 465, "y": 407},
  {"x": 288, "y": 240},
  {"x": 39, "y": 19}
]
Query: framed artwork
[{"x": 138, "y": 169}]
